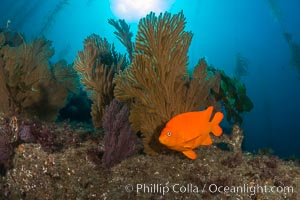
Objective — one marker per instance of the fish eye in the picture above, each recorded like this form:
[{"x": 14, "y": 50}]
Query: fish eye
[{"x": 169, "y": 134}]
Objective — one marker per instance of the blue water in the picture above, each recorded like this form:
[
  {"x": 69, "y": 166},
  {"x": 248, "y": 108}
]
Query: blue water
[{"x": 221, "y": 30}]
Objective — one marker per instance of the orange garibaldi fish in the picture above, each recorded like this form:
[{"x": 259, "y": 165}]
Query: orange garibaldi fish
[{"x": 186, "y": 131}]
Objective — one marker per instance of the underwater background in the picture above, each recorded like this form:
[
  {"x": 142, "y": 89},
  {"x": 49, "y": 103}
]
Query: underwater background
[{"x": 263, "y": 36}]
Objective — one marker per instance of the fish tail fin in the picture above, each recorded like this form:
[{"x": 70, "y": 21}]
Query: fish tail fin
[{"x": 216, "y": 129}]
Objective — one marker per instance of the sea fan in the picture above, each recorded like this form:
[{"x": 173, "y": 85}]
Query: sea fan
[{"x": 120, "y": 141}]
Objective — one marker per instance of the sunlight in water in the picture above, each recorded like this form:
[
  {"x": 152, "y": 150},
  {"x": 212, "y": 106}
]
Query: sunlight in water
[{"x": 133, "y": 10}]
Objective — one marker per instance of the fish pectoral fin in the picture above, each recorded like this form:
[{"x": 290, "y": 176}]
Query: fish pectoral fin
[
  {"x": 191, "y": 139},
  {"x": 207, "y": 141},
  {"x": 190, "y": 154}
]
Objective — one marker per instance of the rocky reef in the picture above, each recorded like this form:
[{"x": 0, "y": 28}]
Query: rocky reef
[{"x": 75, "y": 171}]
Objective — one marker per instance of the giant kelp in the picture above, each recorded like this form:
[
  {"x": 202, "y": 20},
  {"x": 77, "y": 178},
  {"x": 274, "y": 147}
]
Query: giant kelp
[
  {"x": 276, "y": 10},
  {"x": 25, "y": 12},
  {"x": 295, "y": 50},
  {"x": 29, "y": 84},
  {"x": 155, "y": 84},
  {"x": 50, "y": 18},
  {"x": 96, "y": 65},
  {"x": 241, "y": 66}
]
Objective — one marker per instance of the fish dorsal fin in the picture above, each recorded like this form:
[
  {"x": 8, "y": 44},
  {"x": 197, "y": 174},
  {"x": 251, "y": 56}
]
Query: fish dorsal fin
[
  {"x": 208, "y": 113},
  {"x": 190, "y": 154},
  {"x": 207, "y": 141}
]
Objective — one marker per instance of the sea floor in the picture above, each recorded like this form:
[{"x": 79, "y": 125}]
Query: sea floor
[{"x": 75, "y": 172}]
